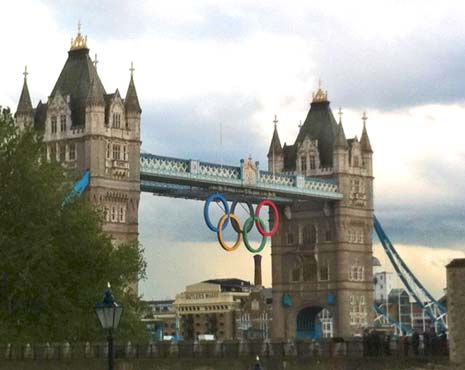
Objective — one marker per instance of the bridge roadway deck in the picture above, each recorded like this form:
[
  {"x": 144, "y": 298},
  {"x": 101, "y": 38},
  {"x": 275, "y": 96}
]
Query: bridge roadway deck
[{"x": 191, "y": 179}]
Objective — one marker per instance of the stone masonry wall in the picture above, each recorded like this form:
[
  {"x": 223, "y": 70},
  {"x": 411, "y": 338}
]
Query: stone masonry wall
[{"x": 456, "y": 308}]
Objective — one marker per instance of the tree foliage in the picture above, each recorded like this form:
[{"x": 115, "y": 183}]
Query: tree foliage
[{"x": 55, "y": 261}]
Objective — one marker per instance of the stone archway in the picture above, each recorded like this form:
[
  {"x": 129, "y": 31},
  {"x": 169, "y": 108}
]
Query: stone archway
[{"x": 308, "y": 325}]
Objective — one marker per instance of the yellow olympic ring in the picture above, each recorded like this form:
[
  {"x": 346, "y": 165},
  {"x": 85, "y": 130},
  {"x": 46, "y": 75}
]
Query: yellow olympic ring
[{"x": 221, "y": 222}]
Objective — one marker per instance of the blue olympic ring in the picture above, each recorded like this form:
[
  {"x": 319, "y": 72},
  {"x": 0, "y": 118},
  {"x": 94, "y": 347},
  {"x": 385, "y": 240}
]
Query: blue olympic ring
[{"x": 210, "y": 199}]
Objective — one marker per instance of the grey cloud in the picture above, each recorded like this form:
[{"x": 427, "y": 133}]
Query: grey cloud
[
  {"x": 435, "y": 221},
  {"x": 191, "y": 129}
]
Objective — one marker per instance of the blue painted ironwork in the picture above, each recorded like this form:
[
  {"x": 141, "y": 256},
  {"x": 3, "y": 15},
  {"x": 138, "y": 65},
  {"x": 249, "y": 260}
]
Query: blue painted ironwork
[
  {"x": 155, "y": 170},
  {"x": 401, "y": 327},
  {"x": 78, "y": 188},
  {"x": 435, "y": 311},
  {"x": 287, "y": 301}
]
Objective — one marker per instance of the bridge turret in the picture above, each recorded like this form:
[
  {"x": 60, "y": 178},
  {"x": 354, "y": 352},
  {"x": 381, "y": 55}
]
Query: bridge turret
[
  {"x": 367, "y": 152},
  {"x": 341, "y": 150},
  {"x": 25, "y": 113},
  {"x": 275, "y": 153}
]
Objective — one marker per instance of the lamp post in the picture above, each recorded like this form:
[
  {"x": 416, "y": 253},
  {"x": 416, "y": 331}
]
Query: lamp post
[{"x": 109, "y": 313}]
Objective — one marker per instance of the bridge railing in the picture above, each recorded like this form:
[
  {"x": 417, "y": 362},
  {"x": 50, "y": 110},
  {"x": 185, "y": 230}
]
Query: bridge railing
[{"x": 235, "y": 175}]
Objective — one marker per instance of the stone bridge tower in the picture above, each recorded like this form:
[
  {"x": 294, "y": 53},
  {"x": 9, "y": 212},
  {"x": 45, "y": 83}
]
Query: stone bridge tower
[
  {"x": 322, "y": 254},
  {"x": 86, "y": 128}
]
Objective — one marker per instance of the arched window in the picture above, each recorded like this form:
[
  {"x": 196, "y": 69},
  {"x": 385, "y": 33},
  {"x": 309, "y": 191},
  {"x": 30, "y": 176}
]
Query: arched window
[
  {"x": 309, "y": 270},
  {"x": 303, "y": 164},
  {"x": 310, "y": 235},
  {"x": 312, "y": 162},
  {"x": 324, "y": 271}
]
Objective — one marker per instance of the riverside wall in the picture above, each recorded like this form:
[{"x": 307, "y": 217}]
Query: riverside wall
[{"x": 232, "y": 355}]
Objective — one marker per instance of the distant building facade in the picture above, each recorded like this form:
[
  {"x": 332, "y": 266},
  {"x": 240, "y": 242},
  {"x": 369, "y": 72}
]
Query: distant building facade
[
  {"x": 161, "y": 320},
  {"x": 384, "y": 283}
]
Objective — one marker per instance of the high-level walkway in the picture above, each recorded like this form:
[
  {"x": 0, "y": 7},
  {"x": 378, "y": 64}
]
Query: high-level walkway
[{"x": 192, "y": 179}]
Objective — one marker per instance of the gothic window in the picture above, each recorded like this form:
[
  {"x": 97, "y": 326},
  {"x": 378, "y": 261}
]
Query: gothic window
[
  {"x": 72, "y": 152},
  {"x": 289, "y": 235},
  {"x": 356, "y": 161},
  {"x": 116, "y": 123},
  {"x": 113, "y": 214},
  {"x": 309, "y": 271},
  {"x": 328, "y": 236},
  {"x": 116, "y": 152},
  {"x": 108, "y": 150},
  {"x": 106, "y": 213},
  {"x": 62, "y": 153},
  {"x": 324, "y": 271},
  {"x": 303, "y": 164},
  {"x": 122, "y": 214},
  {"x": 312, "y": 162},
  {"x": 310, "y": 235},
  {"x": 53, "y": 152},
  {"x": 125, "y": 152},
  {"x": 296, "y": 273},
  {"x": 54, "y": 124},
  {"x": 62, "y": 123}
]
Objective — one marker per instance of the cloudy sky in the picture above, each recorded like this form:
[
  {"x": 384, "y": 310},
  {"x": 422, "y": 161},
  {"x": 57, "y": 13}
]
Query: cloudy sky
[{"x": 237, "y": 63}]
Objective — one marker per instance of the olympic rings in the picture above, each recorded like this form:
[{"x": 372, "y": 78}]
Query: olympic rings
[
  {"x": 248, "y": 222},
  {"x": 205, "y": 211},
  {"x": 249, "y": 206},
  {"x": 267, "y": 202},
  {"x": 234, "y": 220},
  {"x": 242, "y": 233}
]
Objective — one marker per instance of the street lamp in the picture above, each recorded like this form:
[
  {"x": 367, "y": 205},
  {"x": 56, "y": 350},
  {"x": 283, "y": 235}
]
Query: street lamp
[{"x": 109, "y": 313}]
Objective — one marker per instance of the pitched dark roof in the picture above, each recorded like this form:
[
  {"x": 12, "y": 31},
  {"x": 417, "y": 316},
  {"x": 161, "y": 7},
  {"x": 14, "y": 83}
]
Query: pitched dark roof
[
  {"x": 365, "y": 141},
  {"x": 341, "y": 141},
  {"x": 75, "y": 80},
  {"x": 275, "y": 145},
  {"x": 131, "y": 102},
  {"x": 24, "y": 104},
  {"x": 289, "y": 152},
  {"x": 321, "y": 125},
  {"x": 40, "y": 115}
]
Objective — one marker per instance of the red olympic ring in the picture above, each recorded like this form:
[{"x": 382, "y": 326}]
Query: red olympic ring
[{"x": 273, "y": 231}]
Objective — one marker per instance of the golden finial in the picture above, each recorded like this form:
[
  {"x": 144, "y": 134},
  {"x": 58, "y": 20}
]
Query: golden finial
[
  {"x": 79, "y": 42},
  {"x": 320, "y": 95}
]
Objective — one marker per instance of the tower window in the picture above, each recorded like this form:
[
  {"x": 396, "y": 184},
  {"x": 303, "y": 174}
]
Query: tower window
[
  {"x": 54, "y": 124},
  {"x": 328, "y": 235},
  {"x": 309, "y": 271},
  {"x": 312, "y": 162},
  {"x": 356, "y": 161},
  {"x": 53, "y": 152},
  {"x": 303, "y": 164},
  {"x": 122, "y": 214},
  {"x": 125, "y": 153},
  {"x": 108, "y": 151},
  {"x": 72, "y": 152},
  {"x": 62, "y": 123},
  {"x": 324, "y": 271},
  {"x": 116, "y": 120},
  {"x": 113, "y": 214},
  {"x": 116, "y": 152},
  {"x": 296, "y": 274},
  {"x": 62, "y": 153}
]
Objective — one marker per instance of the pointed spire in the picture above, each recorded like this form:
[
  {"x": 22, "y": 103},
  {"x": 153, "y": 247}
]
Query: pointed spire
[
  {"x": 340, "y": 141},
  {"x": 364, "y": 140},
  {"x": 95, "y": 95},
  {"x": 131, "y": 102},
  {"x": 24, "y": 104},
  {"x": 275, "y": 146}
]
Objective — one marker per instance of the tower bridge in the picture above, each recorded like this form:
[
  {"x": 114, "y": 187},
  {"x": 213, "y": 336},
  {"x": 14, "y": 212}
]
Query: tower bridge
[{"x": 322, "y": 184}]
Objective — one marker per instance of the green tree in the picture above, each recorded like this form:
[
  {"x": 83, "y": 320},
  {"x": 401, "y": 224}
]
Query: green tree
[{"x": 55, "y": 261}]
